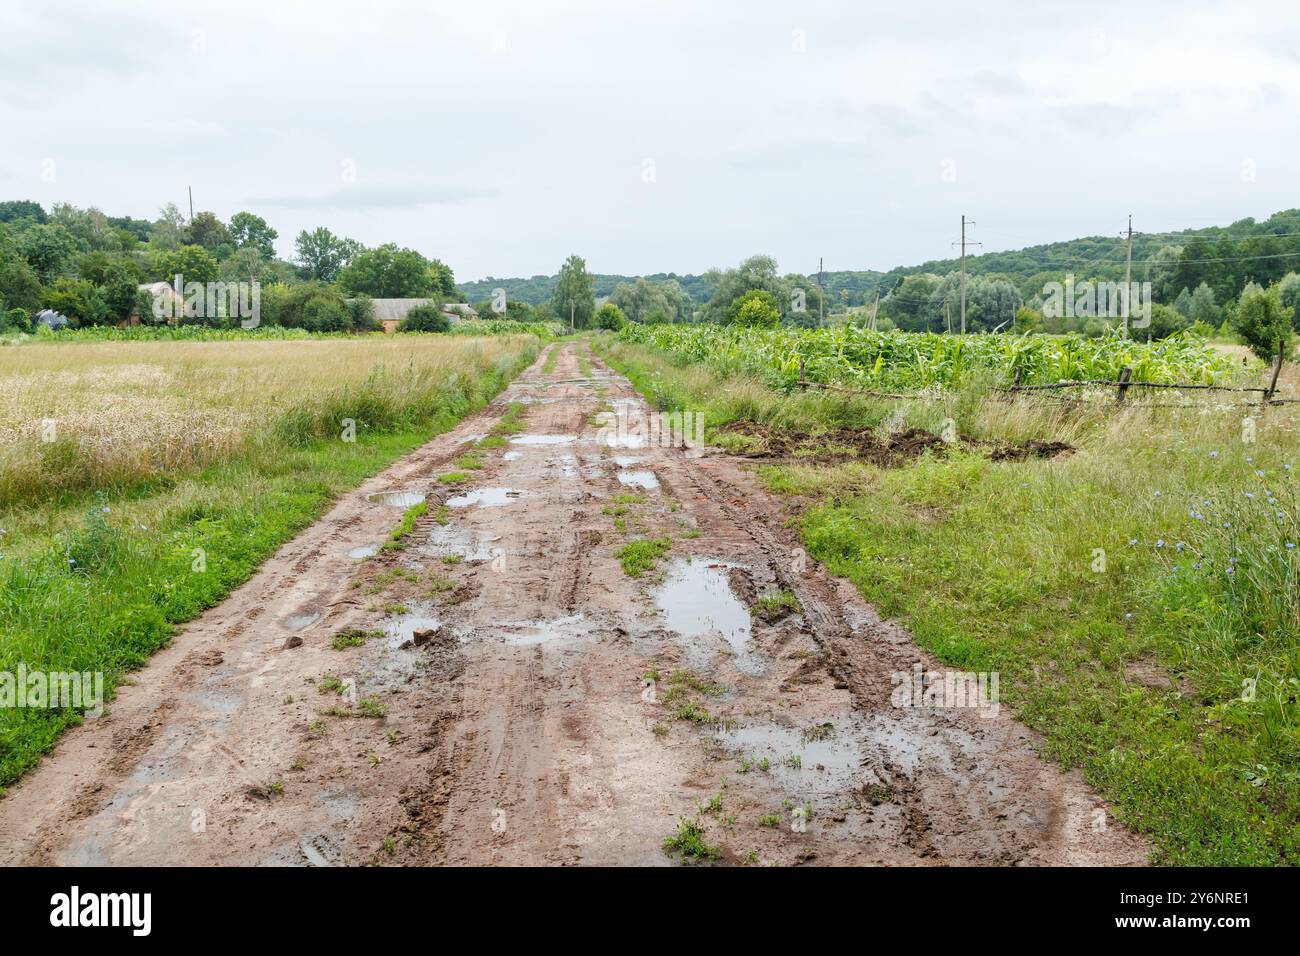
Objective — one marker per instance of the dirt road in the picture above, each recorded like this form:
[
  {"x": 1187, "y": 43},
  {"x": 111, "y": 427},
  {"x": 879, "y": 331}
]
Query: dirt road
[{"x": 511, "y": 696}]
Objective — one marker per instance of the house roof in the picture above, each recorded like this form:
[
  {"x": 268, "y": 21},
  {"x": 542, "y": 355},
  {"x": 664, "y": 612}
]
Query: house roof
[{"x": 389, "y": 309}]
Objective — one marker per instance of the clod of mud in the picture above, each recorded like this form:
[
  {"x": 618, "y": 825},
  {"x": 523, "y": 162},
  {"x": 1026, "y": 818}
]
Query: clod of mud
[
  {"x": 398, "y": 499},
  {"x": 846, "y": 444},
  {"x": 292, "y": 642},
  {"x": 401, "y": 630}
]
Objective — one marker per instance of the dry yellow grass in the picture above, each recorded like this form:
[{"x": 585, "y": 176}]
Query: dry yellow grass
[{"x": 122, "y": 411}]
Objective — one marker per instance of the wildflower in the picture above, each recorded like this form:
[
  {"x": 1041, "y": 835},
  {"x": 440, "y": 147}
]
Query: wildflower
[
  {"x": 1128, "y": 617},
  {"x": 1179, "y": 546},
  {"x": 1214, "y": 454},
  {"x": 1231, "y": 569},
  {"x": 1249, "y": 495},
  {"x": 105, "y": 509},
  {"x": 1132, "y": 540},
  {"x": 1197, "y": 566},
  {"x": 1157, "y": 494},
  {"x": 1290, "y": 545},
  {"x": 1160, "y": 543}
]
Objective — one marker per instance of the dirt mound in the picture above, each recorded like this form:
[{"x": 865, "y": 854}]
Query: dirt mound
[{"x": 846, "y": 444}]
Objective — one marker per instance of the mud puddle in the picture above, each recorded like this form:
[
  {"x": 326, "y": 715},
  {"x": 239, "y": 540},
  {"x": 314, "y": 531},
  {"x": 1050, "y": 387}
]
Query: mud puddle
[
  {"x": 542, "y": 631},
  {"x": 486, "y": 498},
  {"x": 301, "y": 620},
  {"x": 398, "y": 499},
  {"x": 468, "y": 543},
  {"x": 363, "y": 552},
  {"x": 400, "y": 630},
  {"x": 697, "y": 603},
  {"x": 823, "y": 757},
  {"x": 639, "y": 479},
  {"x": 543, "y": 439}
]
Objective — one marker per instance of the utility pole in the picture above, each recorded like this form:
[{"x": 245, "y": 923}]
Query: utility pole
[
  {"x": 1128, "y": 273},
  {"x": 191, "y": 189},
  {"x": 964, "y": 244},
  {"x": 875, "y": 307},
  {"x": 821, "y": 294},
  {"x": 572, "y": 307},
  {"x": 947, "y": 311}
]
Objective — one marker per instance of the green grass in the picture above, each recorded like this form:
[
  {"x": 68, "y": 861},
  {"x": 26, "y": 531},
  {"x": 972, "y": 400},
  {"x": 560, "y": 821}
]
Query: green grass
[
  {"x": 1096, "y": 585},
  {"x": 397, "y": 537},
  {"x": 640, "y": 556},
  {"x": 82, "y": 589},
  {"x": 689, "y": 841}
]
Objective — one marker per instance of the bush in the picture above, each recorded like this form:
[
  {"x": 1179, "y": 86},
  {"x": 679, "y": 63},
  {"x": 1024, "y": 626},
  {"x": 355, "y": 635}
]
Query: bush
[
  {"x": 361, "y": 314},
  {"x": 611, "y": 317},
  {"x": 756, "y": 308},
  {"x": 1261, "y": 320},
  {"x": 426, "y": 318},
  {"x": 15, "y": 320}
]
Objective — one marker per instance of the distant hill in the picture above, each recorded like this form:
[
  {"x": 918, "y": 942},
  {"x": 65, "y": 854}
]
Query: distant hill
[{"x": 1223, "y": 256}]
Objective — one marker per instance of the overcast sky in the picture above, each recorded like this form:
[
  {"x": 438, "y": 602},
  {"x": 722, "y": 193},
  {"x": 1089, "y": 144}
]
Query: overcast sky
[{"x": 659, "y": 136}]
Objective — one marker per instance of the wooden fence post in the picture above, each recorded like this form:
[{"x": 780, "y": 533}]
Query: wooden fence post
[
  {"x": 802, "y": 375},
  {"x": 1277, "y": 369},
  {"x": 1016, "y": 386},
  {"x": 1125, "y": 376}
]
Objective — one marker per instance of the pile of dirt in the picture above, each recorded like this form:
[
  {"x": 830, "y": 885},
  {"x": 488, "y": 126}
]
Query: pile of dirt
[{"x": 846, "y": 444}]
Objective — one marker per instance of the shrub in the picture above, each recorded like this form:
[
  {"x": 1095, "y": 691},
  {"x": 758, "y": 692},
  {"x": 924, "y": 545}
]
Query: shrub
[
  {"x": 1261, "y": 320},
  {"x": 609, "y": 316},
  {"x": 426, "y": 318},
  {"x": 756, "y": 308}
]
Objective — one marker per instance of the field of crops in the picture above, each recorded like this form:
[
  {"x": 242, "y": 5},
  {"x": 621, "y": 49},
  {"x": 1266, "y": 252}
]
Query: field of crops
[{"x": 919, "y": 360}]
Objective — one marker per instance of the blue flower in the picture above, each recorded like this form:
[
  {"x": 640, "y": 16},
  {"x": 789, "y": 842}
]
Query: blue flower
[
  {"x": 1249, "y": 495},
  {"x": 1160, "y": 543},
  {"x": 1179, "y": 546},
  {"x": 1132, "y": 540},
  {"x": 1157, "y": 494},
  {"x": 1214, "y": 454},
  {"x": 1231, "y": 570}
]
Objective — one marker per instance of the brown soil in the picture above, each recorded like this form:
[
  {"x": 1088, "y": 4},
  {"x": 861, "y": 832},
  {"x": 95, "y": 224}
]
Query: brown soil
[
  {"x": 845, "y": 444},
  {"x": 533, "y": 704}
]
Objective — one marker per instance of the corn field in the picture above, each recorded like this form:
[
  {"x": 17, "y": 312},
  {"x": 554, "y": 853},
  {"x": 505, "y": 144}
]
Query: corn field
[{"x": 899, "y": 360}]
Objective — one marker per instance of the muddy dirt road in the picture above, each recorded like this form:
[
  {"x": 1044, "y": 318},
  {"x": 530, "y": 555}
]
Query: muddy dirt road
[{"x": 502, "y": 692}]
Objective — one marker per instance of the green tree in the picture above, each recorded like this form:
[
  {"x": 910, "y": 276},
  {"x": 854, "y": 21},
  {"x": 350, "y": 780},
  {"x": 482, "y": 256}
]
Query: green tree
[
  {"x": 611, "y": 317},
  {"x": 574, "y": 299},
  {"x": 21, "y": 209},
  {"x": 248, "y": 231},
  {"x": 192, "y": 263},
  {"x": 756, "y": 308},
  {"x": 48, "y": 249},
  {"x": 79, "y": 300},
  {"x": 387, "y": 273},
  {"x": 1261, "y": 321},
  {"x": 208, "y": 231},
  {"x": 19, "y": 286},
  {"x": 321, "y": 254}
]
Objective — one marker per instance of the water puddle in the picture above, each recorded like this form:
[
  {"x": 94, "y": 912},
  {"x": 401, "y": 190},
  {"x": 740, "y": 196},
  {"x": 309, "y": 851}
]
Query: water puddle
[
  {"x": 543, "y": 439},
  {"x": 541, "y": 631},
  {"x": 401, "y": 629},
  {"x": 470, "y": 544},
  {"x": 627, "y": 461},
  {"x": 363, "y": 552},
  {"x": 398, "y": 499},
  {"x": 301, "y": 619},
  {"x": 697, "y": 602},
  {"x": 486, "y": 497},
  {"x": 639, "y": 479},
  {"x": 813, "y": 759},
  {"x": 512, "y": 456},
  {"x": 620, "y": 438}
]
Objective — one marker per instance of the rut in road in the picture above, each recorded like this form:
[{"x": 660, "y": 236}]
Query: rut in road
[{"x": 520, "y": 699}]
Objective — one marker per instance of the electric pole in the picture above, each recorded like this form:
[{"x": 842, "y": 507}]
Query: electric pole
[
  {"x": 821, "y": 294},
  {"x": 191, "y": 189},
  {"x": 964, "y": 244},
  {"x": 1128, "y": 273},
  {"x": 875, "y": 307}
]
